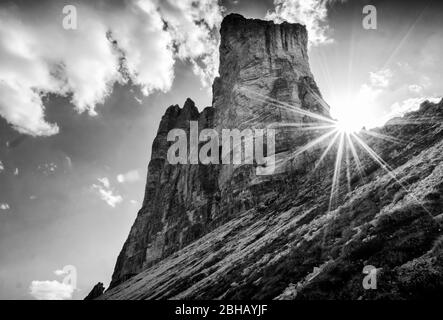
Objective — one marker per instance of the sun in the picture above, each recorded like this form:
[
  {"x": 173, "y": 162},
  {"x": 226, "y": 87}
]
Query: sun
[
  {"x": 351, "y": 114},
  {"x": 347, "y": 123},
  {"x": 352, "y": 118}
]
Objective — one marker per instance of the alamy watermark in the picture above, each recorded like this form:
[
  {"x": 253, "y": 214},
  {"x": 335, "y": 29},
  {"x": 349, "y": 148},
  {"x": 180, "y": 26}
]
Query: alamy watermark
[
  {"x": 237, "y": 147},
  {"x": 370, "y": 280},
  {"x": 69, "y": 274},
  {"x": 370, "y": 19},
  {"x": 69, "y": 21}
]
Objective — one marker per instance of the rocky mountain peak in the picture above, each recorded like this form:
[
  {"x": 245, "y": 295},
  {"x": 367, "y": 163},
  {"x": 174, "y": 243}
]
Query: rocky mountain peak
[
  {"x": 263, "y": 42},
  {"x": 222, "y": 231},
  {"x": 183, "y": 202}
]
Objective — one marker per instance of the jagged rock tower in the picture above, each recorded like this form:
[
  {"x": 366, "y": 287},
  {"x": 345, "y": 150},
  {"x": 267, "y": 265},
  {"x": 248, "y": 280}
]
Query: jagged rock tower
[
  {"x": 223, "y": 232},
  {"x": 260, "y": 63}
]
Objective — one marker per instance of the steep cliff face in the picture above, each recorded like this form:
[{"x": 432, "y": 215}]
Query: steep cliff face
[
  {"x": 290, "y": 246},
  {"x": 259, "y": 61},
  {"x": 222, "y": 231},
  {"x": 179, "y": 199},
  {"x": 265, "y": 82}
]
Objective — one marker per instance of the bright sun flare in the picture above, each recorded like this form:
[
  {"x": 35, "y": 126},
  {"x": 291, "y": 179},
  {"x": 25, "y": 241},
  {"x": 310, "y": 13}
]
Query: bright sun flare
[
  {"x": 352, "y": 117},
  {"x": 351, "y": 114},
  {"x": 348, "y": 124}
]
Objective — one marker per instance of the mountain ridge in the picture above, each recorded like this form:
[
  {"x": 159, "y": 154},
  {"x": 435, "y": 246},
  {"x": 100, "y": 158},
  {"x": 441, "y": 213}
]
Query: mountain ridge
[{"x": 222, "y": 232}]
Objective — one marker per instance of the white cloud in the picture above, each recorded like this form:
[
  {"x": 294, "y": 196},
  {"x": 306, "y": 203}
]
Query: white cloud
[
  {"x": 131, "y": 176},
  {"x": 400, "y": 89},
  {"x": 51, "y": 290},
  {"x": 105, "y": 182},
  {"x": 398, "y": 109},
  {"x": 106, "y": 193},
  {"x": 22, "y": 107},
  {"x": 60, "y": 272},
  {"x": 46, "y": 168},
  {"x": 37, "y": 56},
  {"x": 193, "y": 26},
  {"x": 4, "y": 206},
  {"x": 381, "y": 78},
  {"x": 312, "y": 13},
  {"x": 109, "y": 197},
  {"x": 415, "y": 88},
  {"x": 2, "y": 167}
]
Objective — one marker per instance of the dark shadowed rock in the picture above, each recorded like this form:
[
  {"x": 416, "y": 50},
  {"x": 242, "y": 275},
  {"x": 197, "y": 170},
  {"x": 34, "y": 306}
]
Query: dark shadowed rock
[{"x": 96, "y": 292}]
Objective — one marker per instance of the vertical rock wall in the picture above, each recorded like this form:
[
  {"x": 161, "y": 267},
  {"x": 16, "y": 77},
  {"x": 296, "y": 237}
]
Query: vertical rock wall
[{"x": 264, "y": 79}]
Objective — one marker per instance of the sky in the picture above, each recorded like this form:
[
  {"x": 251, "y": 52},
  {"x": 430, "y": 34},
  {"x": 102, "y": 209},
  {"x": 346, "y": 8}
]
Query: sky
[{"x": 79, "y": 109}]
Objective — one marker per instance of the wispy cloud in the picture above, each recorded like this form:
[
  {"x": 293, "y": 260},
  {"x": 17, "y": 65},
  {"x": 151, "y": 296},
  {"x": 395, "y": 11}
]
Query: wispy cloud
[
  {"x": 415, "y": 88},
  {"x": 137, "y": 40},
  {"x": 381, "y": 78},
  {"x": 388, "y": 93},
  {"x": 60, "y": 272},
  {"x": 193, "y": 26},
  {"x": 105, "y": 182},
  {"x": 130, "y": 176},
  {"x": 312, "y": 13},
  {"x": 106, "y": 193},
  {"x": 401, "y": 88}
]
